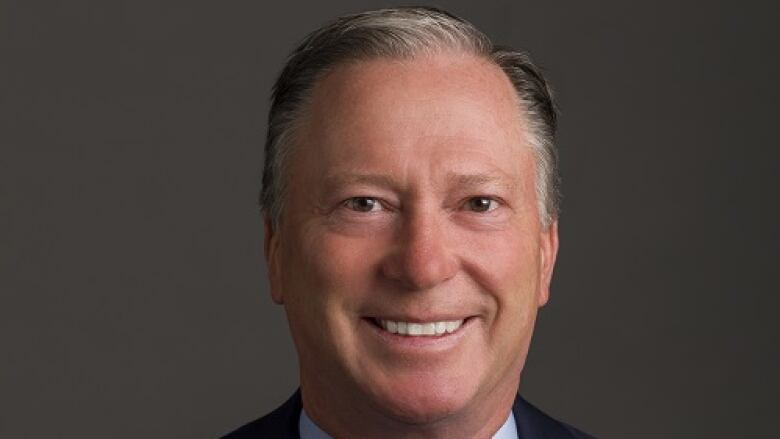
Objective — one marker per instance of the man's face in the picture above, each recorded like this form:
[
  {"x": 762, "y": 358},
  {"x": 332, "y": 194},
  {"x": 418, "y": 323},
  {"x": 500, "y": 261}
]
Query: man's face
[{"x": 411, "y": 205}]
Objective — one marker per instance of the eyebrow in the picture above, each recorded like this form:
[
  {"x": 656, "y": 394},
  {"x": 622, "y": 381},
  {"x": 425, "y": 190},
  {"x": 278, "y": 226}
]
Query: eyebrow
[
  {"x": 453, "y": 180},
  {"x": 337, "y": 180},
  {"x": 477, "y": 180}
]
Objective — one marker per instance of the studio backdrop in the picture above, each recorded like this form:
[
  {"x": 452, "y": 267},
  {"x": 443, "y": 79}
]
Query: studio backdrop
[{"x": 133, "y": 297}]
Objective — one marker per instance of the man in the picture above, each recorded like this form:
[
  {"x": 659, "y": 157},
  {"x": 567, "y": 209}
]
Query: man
[{"x": 410, "y": 195}]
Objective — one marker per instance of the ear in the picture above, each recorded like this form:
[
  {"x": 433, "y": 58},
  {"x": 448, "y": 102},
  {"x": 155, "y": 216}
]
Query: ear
[
  {"x": 271, "y": 250},
  {"x": 548, "y": 248}
]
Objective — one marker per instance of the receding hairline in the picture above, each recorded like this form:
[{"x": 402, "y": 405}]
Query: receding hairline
[
  {"x": 324, "y": 91},
  {"x": 404, "y": 33}
]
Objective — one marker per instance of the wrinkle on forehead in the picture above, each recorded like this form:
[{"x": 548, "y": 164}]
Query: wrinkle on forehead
[{"x": 341, "y": 178}]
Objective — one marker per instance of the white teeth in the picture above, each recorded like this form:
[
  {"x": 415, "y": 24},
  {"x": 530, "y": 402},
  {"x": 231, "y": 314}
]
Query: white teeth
[
  {"x": 451, "y": 326},
  {"x": 429, "y": 329},
  {"x": 420, "y": 329},
  {"x": 390, "y": 326}
]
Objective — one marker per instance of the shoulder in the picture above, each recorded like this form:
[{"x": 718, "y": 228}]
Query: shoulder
[
  {"x": 281, "y": 423},
  {"x": 534, "y": 423}
]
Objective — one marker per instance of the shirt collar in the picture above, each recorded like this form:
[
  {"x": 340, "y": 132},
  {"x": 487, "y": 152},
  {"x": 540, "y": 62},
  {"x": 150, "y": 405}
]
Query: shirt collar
[{"x": 309, "y": 430}]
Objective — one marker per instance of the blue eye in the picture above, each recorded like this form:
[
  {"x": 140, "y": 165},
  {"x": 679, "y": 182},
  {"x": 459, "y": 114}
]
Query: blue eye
[
  {"x": 363, "y": 204},
  {"x": 481, "y": 204}
]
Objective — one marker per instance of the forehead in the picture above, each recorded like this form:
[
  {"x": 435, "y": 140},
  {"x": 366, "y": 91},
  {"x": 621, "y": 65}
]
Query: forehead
[
  {"x": 444, "y": 82},
  {"x": 443, "y": 107},
  {"x": 435, "y": 71}
]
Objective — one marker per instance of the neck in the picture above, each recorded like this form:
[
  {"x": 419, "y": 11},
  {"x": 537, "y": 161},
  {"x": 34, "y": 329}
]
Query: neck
[{"x": 341, "y": 416}]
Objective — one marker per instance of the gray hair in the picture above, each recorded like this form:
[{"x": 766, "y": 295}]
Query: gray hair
[{"x": 403, "y": 33}]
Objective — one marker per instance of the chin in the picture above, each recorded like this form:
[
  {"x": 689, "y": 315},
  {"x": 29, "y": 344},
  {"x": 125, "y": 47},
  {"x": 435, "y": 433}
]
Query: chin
[{"x": 424, "y": 398}]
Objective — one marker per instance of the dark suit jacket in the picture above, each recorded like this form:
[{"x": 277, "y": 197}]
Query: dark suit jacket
[{"x": 282, "y": 423}]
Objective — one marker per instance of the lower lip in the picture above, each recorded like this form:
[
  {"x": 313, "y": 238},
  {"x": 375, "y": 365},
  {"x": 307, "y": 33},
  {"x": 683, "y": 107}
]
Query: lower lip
[{"x": 442, "y": 342}]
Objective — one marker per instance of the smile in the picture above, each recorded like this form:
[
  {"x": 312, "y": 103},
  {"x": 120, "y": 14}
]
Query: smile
[{"x": 419, "y": 329}]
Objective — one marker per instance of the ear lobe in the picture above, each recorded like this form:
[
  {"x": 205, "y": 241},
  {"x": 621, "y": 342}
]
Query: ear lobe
[
  {"x": 271, "y": 250},
  {"x": 548, "y": 247}
]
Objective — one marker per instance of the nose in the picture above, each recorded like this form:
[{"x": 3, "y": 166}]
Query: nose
[{"x": 423, "y": 255}]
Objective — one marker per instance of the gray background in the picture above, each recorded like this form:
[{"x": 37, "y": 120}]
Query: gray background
[{"x": 132, "y": 288}]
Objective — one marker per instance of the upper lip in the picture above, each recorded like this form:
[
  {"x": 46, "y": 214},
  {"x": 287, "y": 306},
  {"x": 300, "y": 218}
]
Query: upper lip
[{"x": 422, "y": 319}]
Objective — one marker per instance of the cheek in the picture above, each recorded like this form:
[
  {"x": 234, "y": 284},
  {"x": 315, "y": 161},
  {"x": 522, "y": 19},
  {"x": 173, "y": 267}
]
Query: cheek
[
  {"x": 329, "y": 272},
  {"x": 506, "y": 264},
  {"x": 506, "y": 268},
  {"x": 326, "y": 278}
]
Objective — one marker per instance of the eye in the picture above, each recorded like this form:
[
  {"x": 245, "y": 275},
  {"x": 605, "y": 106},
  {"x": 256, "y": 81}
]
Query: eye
[
  {"x": 363, "y": 204},
  {"x": 481, "y": 204}
]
